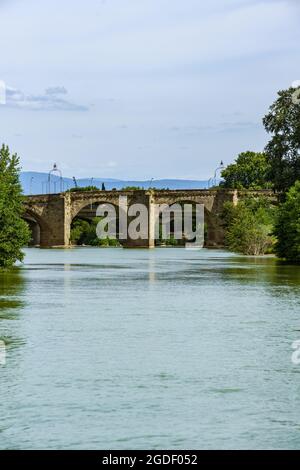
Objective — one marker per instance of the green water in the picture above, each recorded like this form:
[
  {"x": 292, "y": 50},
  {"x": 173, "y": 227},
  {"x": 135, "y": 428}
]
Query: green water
[{"x": 165, "y": 348}]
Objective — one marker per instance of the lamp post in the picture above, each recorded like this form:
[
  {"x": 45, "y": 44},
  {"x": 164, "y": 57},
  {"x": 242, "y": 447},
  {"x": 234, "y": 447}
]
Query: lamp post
[
  {"x": 30, "y": 187},
  {"x": 220, "y": 167},
  {"x": 150, "y": 182},
  {"x": 91, "y": 184},
  {"x": 51, "y": 172},
  {"x": 209, "y": 182}
]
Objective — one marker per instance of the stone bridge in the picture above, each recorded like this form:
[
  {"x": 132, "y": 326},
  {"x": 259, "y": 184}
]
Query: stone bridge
[{"x": 50, "y": 216}]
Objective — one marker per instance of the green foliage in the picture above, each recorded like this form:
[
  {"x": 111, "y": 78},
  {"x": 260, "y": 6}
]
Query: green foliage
[
  {"x": 79, "y": 229},
  {"x": 14, "y": 232},
  {"x": 287, "y": 226},
  {"x": 132, "y": 188},
  {"x": 84, "y": 188},
  {"x": 250, "y": 171},
  {"x": 249, "y": 226},
  {"x": 84, "y": 233},
  {"x": 283, "y": 150}
]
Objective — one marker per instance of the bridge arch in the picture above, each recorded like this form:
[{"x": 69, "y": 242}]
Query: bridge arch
[
  {"x": 87, "y": 212},
  {"x": 37, "y": 226},
  {"x": 213, "y": 231}
]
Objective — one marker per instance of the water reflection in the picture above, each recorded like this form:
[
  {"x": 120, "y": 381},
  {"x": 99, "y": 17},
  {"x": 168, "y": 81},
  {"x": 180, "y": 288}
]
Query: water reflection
[
  {"x": 12, "y": 285},
  {"x": 245, "y": 270}
]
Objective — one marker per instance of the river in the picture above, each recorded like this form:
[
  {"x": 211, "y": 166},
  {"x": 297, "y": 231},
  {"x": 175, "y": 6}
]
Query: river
[{"x": 166, "y": 348}]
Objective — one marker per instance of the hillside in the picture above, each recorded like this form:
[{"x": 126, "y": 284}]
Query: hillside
[{"x": 37, "y": 183}]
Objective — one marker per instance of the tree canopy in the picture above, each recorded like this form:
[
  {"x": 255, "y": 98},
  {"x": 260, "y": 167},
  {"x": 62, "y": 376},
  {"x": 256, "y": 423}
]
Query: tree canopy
[
  {"x": 14, "y": 232},
  {"x": 283, "y": 150},
  {"x": 250, "y": 171}
]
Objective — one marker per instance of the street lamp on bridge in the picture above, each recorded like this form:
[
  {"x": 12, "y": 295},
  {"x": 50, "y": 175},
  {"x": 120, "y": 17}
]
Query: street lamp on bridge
[
  {"x": 30, "y": 188},
  {"x": 220, "y": 168},
  {"x": 54, "y": 171},
  {"x": 213, "y": 180}
]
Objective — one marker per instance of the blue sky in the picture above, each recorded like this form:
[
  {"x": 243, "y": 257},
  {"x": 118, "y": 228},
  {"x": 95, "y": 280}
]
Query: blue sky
[{"x": 142, "y": 88}]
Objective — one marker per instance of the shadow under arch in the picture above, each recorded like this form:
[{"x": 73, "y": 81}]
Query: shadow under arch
[
  {"x": 214, "y": 230},
  {"x": 37, "y": 227}
]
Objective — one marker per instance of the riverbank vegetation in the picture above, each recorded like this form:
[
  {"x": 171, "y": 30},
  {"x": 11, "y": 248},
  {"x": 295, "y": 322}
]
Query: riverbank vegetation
[
  {"x": 257, "y": 226},
  {"x": 249, "y": 226},
  {"x": 14, "y": 232},
  {"x": 287, "y": 226}
]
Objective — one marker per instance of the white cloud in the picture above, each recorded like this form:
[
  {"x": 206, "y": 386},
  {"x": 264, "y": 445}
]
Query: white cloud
[
  {"x": 56, "y": 90},
  {"x": 49, "y": 101}
]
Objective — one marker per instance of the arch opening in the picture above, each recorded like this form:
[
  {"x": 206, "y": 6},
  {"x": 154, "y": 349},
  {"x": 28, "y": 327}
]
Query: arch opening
[
  {"x": 84, "y": 224},
  {"x": 174, "y": 226},
  {"x": 35, "y": 229}
]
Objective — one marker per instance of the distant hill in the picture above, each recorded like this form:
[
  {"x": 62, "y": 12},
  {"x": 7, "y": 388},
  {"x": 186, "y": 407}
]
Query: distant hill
[{"x": 36, "y": 183}]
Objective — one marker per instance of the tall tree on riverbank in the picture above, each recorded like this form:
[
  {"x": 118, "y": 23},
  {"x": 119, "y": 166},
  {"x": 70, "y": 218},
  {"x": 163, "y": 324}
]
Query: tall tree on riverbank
[
  {"x": 249, "y": 171},
  {"x": 283, "y": 150},
  {"x": 14, "y": 232}
]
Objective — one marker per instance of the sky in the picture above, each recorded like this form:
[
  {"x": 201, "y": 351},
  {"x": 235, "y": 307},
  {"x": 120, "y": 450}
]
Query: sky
[{"x": 141, "y": 89}]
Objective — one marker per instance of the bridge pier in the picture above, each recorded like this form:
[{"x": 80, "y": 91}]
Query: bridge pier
[{"x": 50, "y": 214}]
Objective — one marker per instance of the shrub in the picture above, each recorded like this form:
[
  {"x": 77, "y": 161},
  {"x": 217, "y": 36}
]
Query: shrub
[{"x": 249, "y": 226}]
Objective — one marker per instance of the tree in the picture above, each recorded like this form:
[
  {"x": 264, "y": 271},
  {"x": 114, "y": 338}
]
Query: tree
[
  {"x": 14, "y": 232},
  {"x": 249, "y": 226},
  {"x": 287, "y": 226},
  {"x": 79, "y": 229},
  {"x": 250, "y": 171},
  {"x": 283, "y": 150}
]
